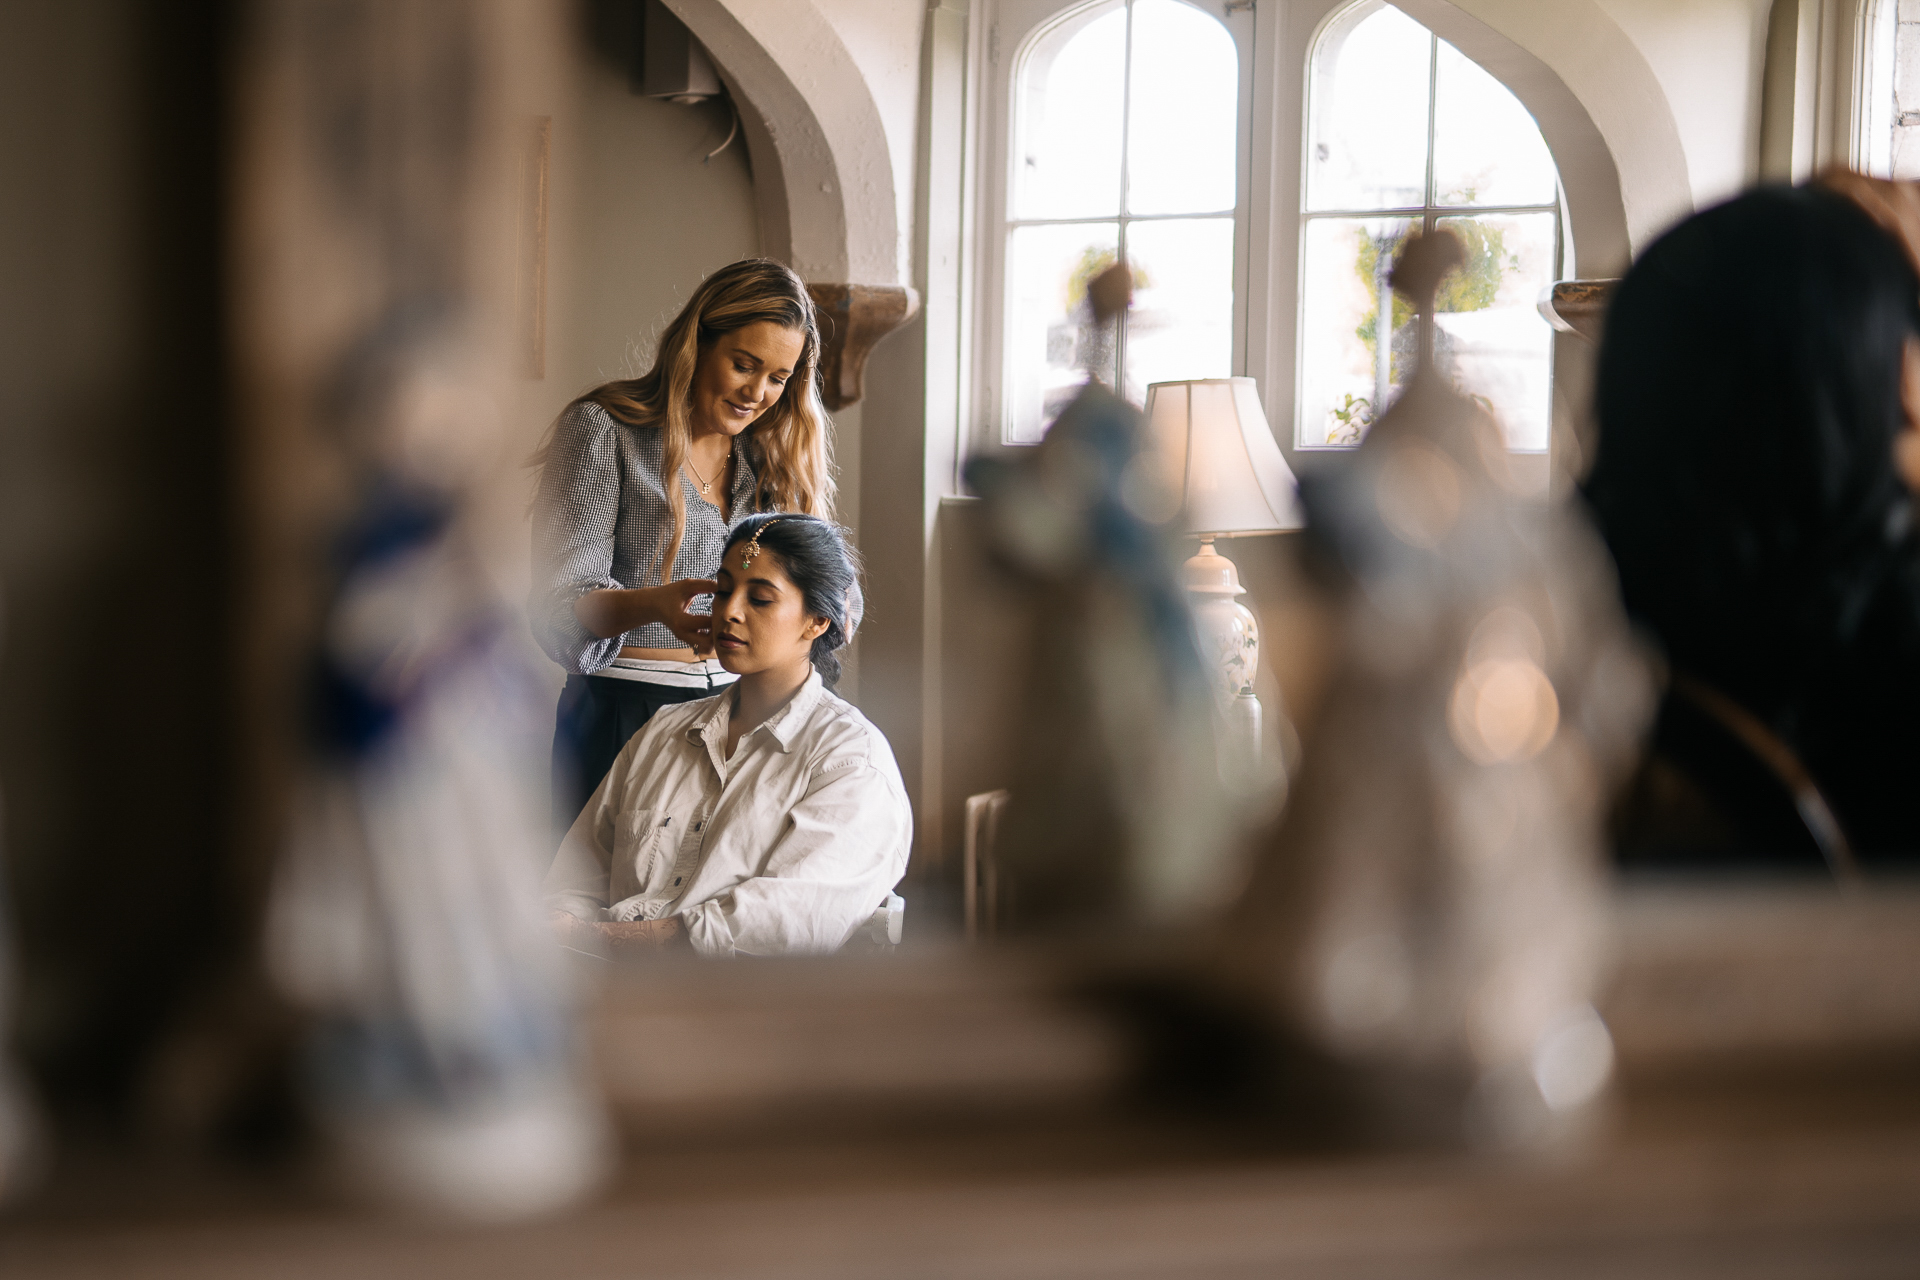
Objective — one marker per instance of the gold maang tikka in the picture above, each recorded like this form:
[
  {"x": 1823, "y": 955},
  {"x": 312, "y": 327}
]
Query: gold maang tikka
[{"x": 752, "y": 549}]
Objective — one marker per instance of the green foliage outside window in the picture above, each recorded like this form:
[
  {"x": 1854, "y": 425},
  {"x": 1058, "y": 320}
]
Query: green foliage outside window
[{"x": 1472, "y": 288}]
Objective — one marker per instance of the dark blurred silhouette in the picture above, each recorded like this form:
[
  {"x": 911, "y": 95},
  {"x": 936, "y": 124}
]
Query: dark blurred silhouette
[{"x": 1751, "y": 407}]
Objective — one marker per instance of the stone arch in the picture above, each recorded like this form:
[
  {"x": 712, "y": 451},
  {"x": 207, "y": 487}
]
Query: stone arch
[
  {"x": 826, "y": 182},
  {"x": 1599, "y": 105}
]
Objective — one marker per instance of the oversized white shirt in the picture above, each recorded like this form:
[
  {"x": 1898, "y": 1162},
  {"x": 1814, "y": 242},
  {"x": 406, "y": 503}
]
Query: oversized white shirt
[{"x": 787, "y": 847}]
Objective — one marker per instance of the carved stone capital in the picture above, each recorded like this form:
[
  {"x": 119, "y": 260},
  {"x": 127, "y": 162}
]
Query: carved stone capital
[
  {"x": 852, "y": 318},
  {"x": 1577, "y": 306}
]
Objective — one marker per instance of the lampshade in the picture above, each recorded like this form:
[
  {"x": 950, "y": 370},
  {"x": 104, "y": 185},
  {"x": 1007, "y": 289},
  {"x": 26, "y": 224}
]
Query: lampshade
[{"x": 1213, "y": 448}]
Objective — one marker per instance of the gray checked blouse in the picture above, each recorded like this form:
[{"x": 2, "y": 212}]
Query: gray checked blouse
[{"x": 601, "y": 521}]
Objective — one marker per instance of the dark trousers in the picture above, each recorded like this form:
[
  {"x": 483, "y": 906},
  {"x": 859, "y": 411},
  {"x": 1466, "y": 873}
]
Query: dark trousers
[{"x": 596, "y": 716}]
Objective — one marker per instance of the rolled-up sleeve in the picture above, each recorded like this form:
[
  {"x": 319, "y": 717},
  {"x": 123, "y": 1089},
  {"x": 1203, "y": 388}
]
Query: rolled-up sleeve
[
  {"x": 575, "y": 516},
  {"x": 842, "y": 850}
]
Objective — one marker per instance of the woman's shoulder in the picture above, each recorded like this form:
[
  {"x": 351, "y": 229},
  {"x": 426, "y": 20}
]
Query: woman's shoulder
[
  {"x": 586, "y": 417},
  {"x": 843, "y": 737},
  {"x": 664, "y": 728},
  {"x": 674, "y": 719}
]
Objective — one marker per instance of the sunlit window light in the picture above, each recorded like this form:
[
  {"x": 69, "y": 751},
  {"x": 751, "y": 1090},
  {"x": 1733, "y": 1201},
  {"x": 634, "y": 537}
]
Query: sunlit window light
[
  {"x": 1124, "y": 145},
  {"x": 1403, "y": 131}
]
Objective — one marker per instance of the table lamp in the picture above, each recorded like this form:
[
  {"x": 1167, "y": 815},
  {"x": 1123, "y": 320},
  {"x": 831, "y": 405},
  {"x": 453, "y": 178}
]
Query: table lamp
[{"x": 1213, "y": 449}]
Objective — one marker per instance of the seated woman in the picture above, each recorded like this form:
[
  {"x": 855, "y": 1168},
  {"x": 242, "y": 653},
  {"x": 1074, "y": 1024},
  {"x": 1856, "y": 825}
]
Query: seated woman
[
  {"x": 1759, "y": 407},
  {"x": 767, "y": 819}
]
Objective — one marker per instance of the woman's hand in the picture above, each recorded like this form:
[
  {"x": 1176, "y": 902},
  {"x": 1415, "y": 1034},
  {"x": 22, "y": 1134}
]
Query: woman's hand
[
  {"x": 608, "y": 613},
  {"x": 620, "y": 939},
  {"x": 694, "y": 629},
  {"x": 645, "y": 937}
]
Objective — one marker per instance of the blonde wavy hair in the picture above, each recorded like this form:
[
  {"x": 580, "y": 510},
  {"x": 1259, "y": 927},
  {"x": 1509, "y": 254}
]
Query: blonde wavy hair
[{"x": 788, "y": 444}]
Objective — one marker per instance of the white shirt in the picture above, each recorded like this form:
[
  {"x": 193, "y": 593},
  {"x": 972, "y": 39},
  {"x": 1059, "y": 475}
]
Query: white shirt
[{"x": 787, "y": 847}]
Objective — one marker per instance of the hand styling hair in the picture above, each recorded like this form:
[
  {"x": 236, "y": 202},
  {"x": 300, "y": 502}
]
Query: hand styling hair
[
  {"x": 821, "y": 562},
  {"x": 788, "y": 443}
]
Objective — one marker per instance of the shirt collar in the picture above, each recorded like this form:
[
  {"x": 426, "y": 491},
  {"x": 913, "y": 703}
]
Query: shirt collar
[
  {"x": 786, "y": 723},
  {"x": 711, "y": 729}
]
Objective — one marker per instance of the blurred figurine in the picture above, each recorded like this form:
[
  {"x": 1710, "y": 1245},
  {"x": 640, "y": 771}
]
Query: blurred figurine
[
  {"x": 1119, "y": 813},
  {"x": 1430, "y": 916},
  {"x": 20, "y": 1136},
  {"x": 407, "y": 920}
]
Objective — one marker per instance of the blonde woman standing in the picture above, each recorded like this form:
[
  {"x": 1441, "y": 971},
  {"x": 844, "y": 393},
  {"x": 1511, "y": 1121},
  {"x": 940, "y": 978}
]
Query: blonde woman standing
[{"x": 640, "y": 484}]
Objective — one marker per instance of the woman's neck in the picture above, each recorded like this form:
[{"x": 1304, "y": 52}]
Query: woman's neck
[
  {"x": 758, "y": 696},
  {"x": 716, "y": 444},
  {"x": 710, "y": 457}
]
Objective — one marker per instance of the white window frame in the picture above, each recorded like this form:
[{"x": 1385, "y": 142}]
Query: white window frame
[
  {"x": 1428, "y": 214},
  {"x": 1872, "y": 90},
  {"x": 1275, "y": 39},
  {"x": 1013, "y": 27}
]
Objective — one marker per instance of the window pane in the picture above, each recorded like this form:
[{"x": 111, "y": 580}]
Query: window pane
[
  {"x": 1486, "y": 147},
  {"x": 1367, "y": 148},
  {"x": 1343, "y": 376},
  {"x": 1876, "y": 125},
  {"x": 1067, "y": 154},
  {"x": 1184, "y": 95},
  {"x": 1904, "y": 154},
  {"x": 1181, "y": 325},
  {"x": 1491, "y": 340},
  {"x": 1049, "y": 335}
]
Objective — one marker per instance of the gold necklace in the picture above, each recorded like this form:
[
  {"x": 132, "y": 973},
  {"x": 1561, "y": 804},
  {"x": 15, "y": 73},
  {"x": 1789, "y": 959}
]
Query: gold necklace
[{"x": 706, "y": 486}]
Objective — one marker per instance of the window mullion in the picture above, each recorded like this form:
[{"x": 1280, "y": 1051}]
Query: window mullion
[
  {"x": 1120, "y": 238},
  {"x": 1428, "y": 215}
]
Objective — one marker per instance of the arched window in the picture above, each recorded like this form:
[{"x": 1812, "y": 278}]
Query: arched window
[
  {"x": 1403, "y": 130},
  {"x": 1887, "y": 142},
  {"x": 1124, "y": 133}
]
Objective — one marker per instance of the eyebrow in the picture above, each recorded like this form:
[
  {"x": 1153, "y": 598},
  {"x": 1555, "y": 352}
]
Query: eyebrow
[{"x": 765, "y": 582}]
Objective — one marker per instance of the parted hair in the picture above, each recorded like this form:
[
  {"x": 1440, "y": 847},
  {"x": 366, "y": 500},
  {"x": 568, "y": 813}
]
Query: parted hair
[
  {"x": 821, "y": 562},
  {"x": 788, "y": 444}
]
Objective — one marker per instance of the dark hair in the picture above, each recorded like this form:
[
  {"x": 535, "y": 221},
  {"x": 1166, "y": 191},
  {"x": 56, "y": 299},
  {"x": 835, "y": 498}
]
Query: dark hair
[
  {"x": 1749, "y": 399},
  {"x": 823, "y": 564}
]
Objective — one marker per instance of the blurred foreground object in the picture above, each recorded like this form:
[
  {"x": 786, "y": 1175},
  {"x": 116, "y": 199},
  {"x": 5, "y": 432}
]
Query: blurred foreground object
[
  {"x": 442, "y": 1060},
  {"x": 1894, "y": 206},
  {"x": 1120, "y": 813},
  {"x": 1213, "y": 455},
  {"x": 376, "y": 272},
  {"x": 1754, "y": 478},
  {"x": 1430, "y": 916},
  {"x": 20, "y": 1136}
]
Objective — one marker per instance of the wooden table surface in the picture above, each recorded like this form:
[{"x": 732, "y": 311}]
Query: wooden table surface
[
  {"x": 1759, "y": 1141},
  {"x": 1103, "y": 1198}
]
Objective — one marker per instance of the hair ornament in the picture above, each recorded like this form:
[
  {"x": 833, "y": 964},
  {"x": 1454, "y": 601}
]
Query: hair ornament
[{"x": 752, "y": 550}]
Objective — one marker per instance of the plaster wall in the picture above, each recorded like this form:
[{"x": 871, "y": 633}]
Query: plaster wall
[
  {"x": 1708, "y": 56},
  {"x": 883, "y": 39},
  {"x": 1673, "y": 87},
  {"x": 635, "y": 221},
  {"x": 830, "y": 191}
]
